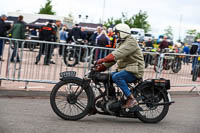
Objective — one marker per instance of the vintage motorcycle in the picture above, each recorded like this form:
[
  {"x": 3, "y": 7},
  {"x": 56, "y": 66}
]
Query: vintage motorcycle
[
  {"x": 164, "y": 61},
  {"x": 73, "y": 54},
  {"x": 73, "y": 98}
]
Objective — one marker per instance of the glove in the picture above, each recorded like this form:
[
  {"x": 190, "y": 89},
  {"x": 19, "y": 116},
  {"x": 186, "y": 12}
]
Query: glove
[
  {"x": 108, "y": 58},
  {"x": 100, "y": 68}
]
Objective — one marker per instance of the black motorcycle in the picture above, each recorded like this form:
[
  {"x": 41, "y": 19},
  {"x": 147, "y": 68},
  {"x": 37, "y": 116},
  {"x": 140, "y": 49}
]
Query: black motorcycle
[
  {"x": 168, "y": 61},
  {"x": 73, "y": 98},
  {"x": 71, "y": 55},
  {"x": 74, "y": 54}
]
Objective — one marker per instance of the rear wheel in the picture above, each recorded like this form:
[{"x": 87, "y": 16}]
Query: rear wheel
[
  {"x": 70, "y": 101},
  {"x": 152, "y": 111}
]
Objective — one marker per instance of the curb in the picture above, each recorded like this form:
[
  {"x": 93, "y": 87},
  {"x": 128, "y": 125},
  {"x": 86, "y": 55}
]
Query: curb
[{"x": 24, "y": 93}]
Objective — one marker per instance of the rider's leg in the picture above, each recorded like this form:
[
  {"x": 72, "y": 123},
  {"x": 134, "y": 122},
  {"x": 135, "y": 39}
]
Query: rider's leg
[{"x": 121, "y": 79}]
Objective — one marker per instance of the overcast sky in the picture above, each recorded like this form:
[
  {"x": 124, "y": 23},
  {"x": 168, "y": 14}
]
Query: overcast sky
[{"x": 162, "y": 13}]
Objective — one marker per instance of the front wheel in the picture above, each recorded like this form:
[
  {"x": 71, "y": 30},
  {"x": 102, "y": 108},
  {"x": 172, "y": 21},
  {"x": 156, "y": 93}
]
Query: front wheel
[
  {"x": 153, "y": 109},
  {"x": 70, "y": 58},
  {"x": 176, "y": 65},
  {"x": 69, "y": 100}
]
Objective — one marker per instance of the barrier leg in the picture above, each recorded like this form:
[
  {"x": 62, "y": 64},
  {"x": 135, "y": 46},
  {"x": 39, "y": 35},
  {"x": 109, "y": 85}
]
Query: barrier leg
[
  {"x": 26, "y": 86},
  {"x": 195, "y": 88}
]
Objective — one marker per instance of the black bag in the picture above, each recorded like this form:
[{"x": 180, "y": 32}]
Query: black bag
[{"x": 193, "y": 49}]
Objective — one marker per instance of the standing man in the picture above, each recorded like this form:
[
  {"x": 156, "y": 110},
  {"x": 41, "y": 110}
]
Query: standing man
[
  {"x": 47, "y": 33},
  {"x": 164, "y": 44},
  {"x": 3, "y": 29},
  {"x": 76, "y": 32},
  {"x": 18, "y": 32},
  {"x": 57, "y": 29}
]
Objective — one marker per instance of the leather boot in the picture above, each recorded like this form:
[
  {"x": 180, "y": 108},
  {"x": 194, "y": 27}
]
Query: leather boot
[{"x": 130, "y": 102}]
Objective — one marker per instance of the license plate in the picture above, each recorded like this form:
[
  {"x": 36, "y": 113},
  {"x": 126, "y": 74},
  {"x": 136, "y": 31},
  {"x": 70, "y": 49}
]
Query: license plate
[
  {"x": 169, "y": 97},
  {"x": 199, "y": 58},
  {"x": 67, "y": 74}
]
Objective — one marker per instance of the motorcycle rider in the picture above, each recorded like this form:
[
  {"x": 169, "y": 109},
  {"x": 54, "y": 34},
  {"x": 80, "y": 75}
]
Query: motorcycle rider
[{"x": 129, "y": 59}]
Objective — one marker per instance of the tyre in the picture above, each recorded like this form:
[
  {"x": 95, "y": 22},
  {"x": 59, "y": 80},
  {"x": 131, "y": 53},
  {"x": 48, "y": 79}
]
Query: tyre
[
  {"x": 69, "y": 100},
  {"x": 152, "y": 113},
  {"x": 70, "y": 58},
  {"x": 195, "y": 73},
  {"x": 176, "y": 65}
]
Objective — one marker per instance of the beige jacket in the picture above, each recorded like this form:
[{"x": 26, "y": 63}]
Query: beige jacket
[{"x": 129, "y": 57}]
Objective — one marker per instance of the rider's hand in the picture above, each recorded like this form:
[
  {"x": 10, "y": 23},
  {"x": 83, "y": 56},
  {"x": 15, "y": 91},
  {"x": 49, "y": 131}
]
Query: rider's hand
[
  {"x": 100, "y": 68},
  {"x": 108, "y": 58},
  {"x": 100, "y": 61}
]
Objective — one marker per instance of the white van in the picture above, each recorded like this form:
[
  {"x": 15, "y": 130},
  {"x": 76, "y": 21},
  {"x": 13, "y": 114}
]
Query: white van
[
  {"x": 138, "y": 34},
  {"x": 148, "y": 36}
]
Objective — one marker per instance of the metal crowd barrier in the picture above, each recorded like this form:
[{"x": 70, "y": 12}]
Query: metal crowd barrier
[{"x": 58, "y": 57}]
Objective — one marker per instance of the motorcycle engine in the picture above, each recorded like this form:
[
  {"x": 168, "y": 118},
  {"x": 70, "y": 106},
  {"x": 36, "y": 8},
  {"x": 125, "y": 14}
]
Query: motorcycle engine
[{"x": 113, "y": 106}]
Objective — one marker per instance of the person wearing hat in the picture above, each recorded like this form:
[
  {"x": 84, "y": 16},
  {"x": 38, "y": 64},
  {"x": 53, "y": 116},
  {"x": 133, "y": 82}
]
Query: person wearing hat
[
  {"x": 130, "y": 63},
  {"x": 3, "y": 32}
]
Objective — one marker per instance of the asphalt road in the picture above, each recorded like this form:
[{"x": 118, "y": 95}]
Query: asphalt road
[{"x": 34, "y": 115}]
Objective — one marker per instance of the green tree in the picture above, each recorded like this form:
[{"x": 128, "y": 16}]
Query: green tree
[
  {"x": 191, "y": 32},
  {"x": 136, "y": 21},
  {"x": 197, "y": 36},
  {"x": 140, "y": 21},
  {"x": 168, "y": 31},
  {"x": 47, "y": 9},
  {"x": 111, "y": 22}
]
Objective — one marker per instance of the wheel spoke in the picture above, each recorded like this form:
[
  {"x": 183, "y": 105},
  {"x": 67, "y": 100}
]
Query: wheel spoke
[
  {"x": 81, "y": 104},
  {"x": 77, "y": 105}
]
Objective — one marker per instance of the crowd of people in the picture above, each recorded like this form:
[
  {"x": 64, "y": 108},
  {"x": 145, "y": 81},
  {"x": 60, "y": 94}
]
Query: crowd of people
[{"x": 57, "y": 32}]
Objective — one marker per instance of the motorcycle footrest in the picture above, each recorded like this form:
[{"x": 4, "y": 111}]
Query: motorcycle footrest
[{"x": 135, "y": 108}]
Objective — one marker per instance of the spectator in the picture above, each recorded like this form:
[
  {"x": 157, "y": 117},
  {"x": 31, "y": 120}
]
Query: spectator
[
  {"x": 63, "y": 39},
  {"x": 149, "y": 43},
  {"x": 3, "y": 29},
  {"x": 112, "y": 37},
  {"x": 76, "y": 32},
  {"x": 186, "y": 50},
  {"x": 63, "y": 35},
  {"x": 84, "y": 35},
  {"x": 33, "y": 32},
  {"x": 57, "y": 29},
  {"x": 164, "y": 44},
  {"x": 95, "y": 34},
  {"x": 102, "y": 40},
  {"x": 47, "y": 33},
  {"x": 18, "y": 32}
]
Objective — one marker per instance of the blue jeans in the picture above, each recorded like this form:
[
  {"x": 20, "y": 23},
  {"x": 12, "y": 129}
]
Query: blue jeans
[{"x": 121, "y": 79}]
